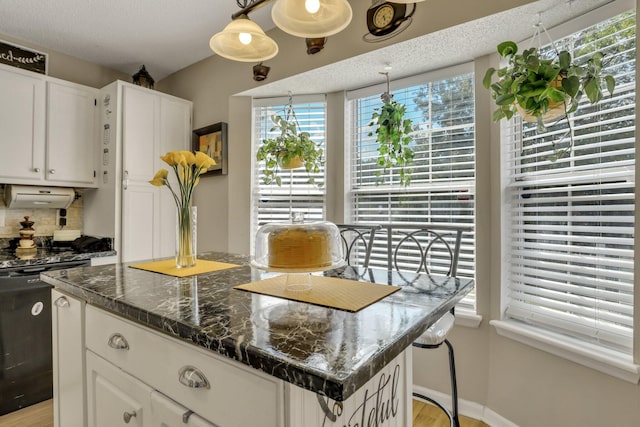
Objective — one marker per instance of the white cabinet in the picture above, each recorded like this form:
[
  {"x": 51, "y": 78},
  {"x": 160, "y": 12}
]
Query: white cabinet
[
  {"x": 167, "y": 413},
  {"x": 49, "y": 130},
  {"x": 214, "y": 387},
  {"x": 115, "y": 398},
  {"x": 22, "y": 127},
  {"x": 68, "y": 361},
  {"x": 138, "y": 126},
  {"x": 72, "y": 134}
]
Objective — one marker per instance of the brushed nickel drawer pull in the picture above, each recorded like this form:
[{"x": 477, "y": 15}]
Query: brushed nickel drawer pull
[
  {"x": 62, "y": 302},
  {"x": 192, "y": 377},
  {"x": 118, "y": 342},
  {"x": 186, "y": 415},
  {"x": 127, "y": 416}
]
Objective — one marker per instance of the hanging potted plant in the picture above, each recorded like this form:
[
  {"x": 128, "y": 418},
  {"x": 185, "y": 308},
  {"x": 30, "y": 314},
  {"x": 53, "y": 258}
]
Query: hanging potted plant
[
  {"x": 392, "y": 132},
  {"x": 290, "y": 149},
  {"x": 542, "y": 87}
]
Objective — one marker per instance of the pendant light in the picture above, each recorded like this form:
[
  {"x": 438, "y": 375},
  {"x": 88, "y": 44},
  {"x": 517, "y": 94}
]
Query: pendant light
[
  {"x": 311, "y": 18},
  {"x": 243, "y": 40}
]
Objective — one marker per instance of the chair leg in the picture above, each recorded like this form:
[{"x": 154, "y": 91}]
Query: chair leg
[
  {"x": 453, "y": 414},
  {"x": 454, "y": 385}
]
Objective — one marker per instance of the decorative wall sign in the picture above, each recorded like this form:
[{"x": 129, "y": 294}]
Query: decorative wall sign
[{"x": 21, "y": 57}]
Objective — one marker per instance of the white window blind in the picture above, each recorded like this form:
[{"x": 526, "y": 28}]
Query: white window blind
[
  {"x": 442, "y": 189},
  {"x": 273, "y": 203},
  {"x": 571, "y": 221}
]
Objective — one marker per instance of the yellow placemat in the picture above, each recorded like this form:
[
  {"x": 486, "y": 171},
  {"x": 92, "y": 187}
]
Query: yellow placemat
[
  {"x": 342, "y": 294},
  {"x": 168, "y": 266}
]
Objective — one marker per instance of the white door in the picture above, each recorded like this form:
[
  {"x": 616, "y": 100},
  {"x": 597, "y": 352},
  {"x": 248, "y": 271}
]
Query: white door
[
  {"x": 114, "y": 397},
  {"x": 167, "y": 413},
  {"x": 72, "y": 134},
  {"x": 140, "y": 133},
  {"x": 69, "y": 408},
  {"x": 22, "y": 132},
  {"x": 141, "y": 221}
]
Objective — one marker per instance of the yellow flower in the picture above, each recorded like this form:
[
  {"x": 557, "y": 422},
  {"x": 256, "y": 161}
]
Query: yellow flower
[
  {"x": 160, "y": 178},
  {"x": 203, "y": 161},
  {"x": 188, "y": 157},
  {"x": 169, "y": 158}
]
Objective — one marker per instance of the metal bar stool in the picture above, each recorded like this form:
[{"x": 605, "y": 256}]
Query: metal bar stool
[
  {"x": 357, "y": 242},
  {"x": 423, "y": 240}
]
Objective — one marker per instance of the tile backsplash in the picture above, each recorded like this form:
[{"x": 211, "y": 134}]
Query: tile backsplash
[{"x": 44, "y": 219}]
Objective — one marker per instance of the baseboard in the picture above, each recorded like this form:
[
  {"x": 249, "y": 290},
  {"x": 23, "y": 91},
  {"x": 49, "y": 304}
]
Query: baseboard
[{"x": 467, "y": 408}]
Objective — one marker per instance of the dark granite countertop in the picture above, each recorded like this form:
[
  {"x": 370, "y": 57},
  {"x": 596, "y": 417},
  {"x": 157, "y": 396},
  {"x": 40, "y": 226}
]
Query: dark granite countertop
[
  {"x": 43, "y": 256},
  {"x": 327, "y": 351}
]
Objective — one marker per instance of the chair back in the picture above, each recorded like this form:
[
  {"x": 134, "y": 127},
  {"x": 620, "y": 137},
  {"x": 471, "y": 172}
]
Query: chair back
[
  {"x": 425, "y": 248},
  {"x": 357, "y": 242}
]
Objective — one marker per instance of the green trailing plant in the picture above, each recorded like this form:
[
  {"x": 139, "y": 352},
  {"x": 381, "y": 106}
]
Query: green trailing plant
[
  {"x": 393, "y": 135},
  {"x": 535, "y": 85},
  {"x": 290, "y": 149}
]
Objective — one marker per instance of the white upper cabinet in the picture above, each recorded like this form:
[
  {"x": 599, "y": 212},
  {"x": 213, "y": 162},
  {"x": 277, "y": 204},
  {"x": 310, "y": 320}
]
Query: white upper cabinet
[
  {"x": 48, "y": 130},
  {"x": 22, "y": 127},
  {"x": 72, "y": 134}
]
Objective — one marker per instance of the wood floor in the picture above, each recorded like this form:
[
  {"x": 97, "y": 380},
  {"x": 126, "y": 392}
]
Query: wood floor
[
  {"x": 426, "y": 415},
  {"x": 38, "y": 415},
  {"x": 41, "y": 415}
]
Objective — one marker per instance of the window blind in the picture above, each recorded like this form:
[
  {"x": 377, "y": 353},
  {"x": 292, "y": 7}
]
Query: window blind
[
  {"x": 273, "y": 203},
  {"x": 571, "y": 221},
  {"x": 442, "y": 189}
]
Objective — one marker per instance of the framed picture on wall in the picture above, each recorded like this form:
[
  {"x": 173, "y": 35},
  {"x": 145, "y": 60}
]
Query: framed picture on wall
[{"x": 212, "y": 140}]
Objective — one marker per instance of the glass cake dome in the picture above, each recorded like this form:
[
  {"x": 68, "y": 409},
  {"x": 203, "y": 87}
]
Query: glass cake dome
[{"x": 298, "y": 246}]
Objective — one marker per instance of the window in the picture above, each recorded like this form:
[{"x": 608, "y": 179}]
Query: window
[
  {"x": 570, "y": 222},
  {"x": 273, "y": 203},
  {"x": 442, "y": 189}
]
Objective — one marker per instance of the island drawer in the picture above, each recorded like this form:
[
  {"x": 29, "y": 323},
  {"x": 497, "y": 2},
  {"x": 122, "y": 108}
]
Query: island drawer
[{"x": 234, "y": 396}]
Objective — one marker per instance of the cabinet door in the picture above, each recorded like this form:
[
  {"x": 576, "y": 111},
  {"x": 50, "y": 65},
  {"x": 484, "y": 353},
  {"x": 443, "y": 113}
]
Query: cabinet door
[
  {"x": 22, "y": 113},
  {"x": 140, "y": 133},
  {"x": 114, "y": 397},
  {"x": 69, "y": 404},
  {"x": 141, "y": 221},
  {"x": 72, "y": 134},
  {"x": 167, "y": 413}
]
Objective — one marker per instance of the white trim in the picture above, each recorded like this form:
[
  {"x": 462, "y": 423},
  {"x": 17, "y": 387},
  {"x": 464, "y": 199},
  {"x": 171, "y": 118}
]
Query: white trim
[
  {"x": 284, "y": 100},
  {"x": 610, "y": 362},
  {"x": 467, "y": 318},
  {"x": 466, "y": 407}
]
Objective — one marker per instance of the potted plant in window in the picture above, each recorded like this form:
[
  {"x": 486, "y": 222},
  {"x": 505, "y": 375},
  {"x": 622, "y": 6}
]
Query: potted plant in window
[
  {"x": 542, "y": 87},
  {"x": 393, "y": 132},
  {"x": 290, "y": 149}
]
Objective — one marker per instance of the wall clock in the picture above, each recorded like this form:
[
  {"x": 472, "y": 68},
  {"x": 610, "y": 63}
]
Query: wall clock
[{"x": 383, "y": 17}]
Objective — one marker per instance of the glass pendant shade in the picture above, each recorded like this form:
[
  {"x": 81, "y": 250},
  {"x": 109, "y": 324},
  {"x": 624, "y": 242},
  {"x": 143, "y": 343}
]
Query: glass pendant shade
[
  {"x": 311, "y": 18},
  {"x": 243, "y": 40}
]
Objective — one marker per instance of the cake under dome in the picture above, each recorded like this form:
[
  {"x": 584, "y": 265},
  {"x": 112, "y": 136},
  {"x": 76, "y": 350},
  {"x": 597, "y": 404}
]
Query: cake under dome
[{"x": 298, "y": 246}]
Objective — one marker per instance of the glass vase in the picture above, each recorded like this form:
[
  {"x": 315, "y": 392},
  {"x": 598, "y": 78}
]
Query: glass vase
[{"x": 186, "y": 232}]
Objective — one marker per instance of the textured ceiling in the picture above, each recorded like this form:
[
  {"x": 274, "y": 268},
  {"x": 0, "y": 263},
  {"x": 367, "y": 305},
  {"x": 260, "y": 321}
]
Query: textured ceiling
[{"x": 168, "y": 35}]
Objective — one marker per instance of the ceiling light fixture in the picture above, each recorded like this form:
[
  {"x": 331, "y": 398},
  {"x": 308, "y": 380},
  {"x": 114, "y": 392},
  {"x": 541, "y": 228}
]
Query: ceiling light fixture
[
  {"x": 311, "y": 18},
  {"x": 244, "y": 40}
]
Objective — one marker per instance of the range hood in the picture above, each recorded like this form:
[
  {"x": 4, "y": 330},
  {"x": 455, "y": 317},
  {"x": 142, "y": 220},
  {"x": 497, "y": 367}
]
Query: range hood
[{"x": 27, "y": 196}]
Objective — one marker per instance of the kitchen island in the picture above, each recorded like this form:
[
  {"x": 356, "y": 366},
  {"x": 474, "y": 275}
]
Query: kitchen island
[{"x": 221, "y": 356}]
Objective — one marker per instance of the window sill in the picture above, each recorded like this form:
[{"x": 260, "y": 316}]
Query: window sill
[
  {"x": 467, "y": 318},
  {"x": 606, "y": 361}
]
